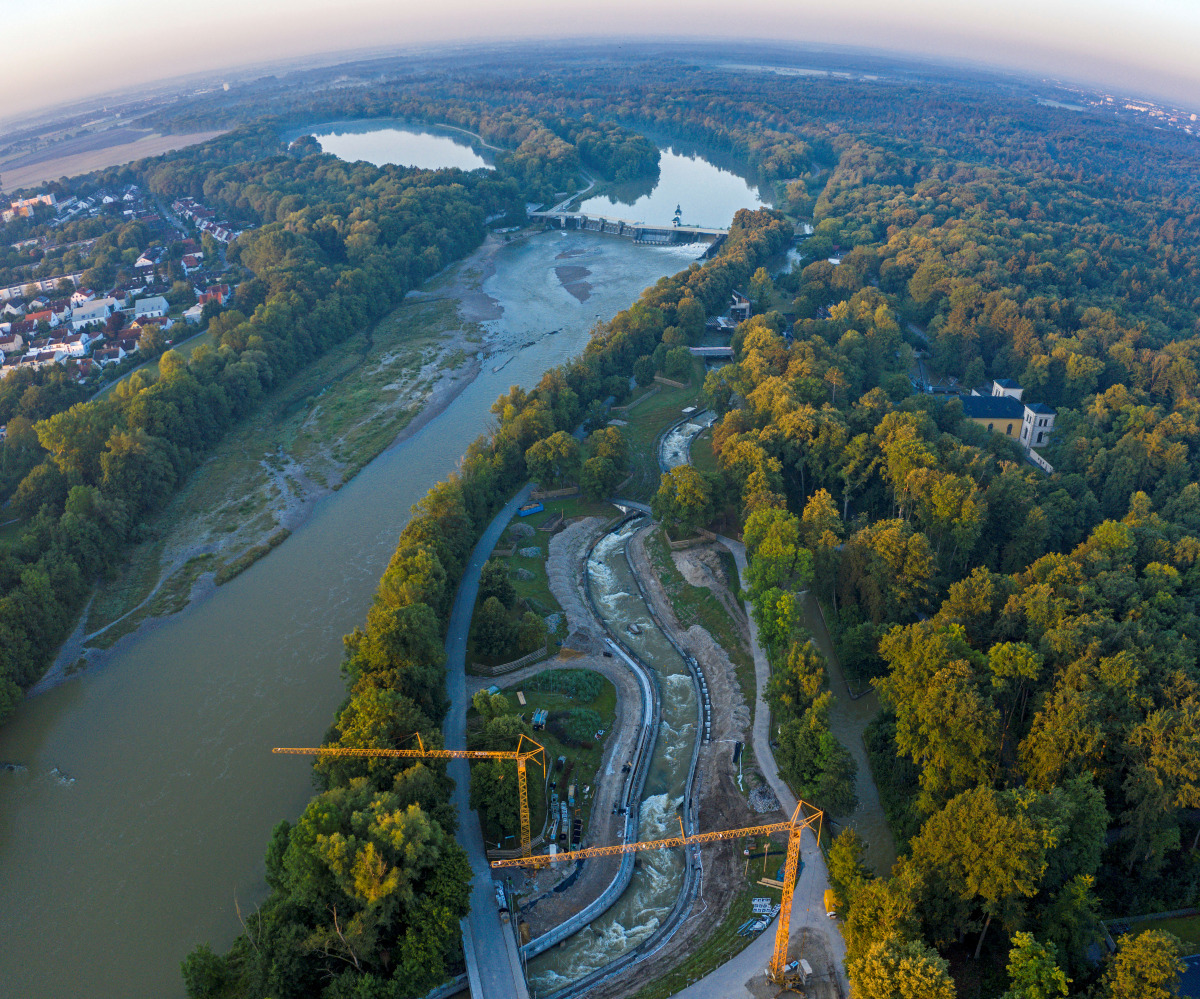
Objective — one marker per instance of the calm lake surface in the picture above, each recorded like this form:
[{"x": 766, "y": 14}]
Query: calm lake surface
[
  {"x": 706, "y": 194},
  {"x": 400, "y": 144},
  {"x": 144, "y": 791}
]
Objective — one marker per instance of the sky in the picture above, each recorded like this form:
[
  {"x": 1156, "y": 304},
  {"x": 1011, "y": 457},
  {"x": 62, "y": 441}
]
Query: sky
[{"x": 1136, "y": 47}]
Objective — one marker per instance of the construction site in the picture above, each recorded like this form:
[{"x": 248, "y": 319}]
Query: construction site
[{"x": 675, "y": 860}]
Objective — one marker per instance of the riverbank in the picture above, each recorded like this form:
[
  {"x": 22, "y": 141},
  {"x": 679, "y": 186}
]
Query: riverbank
[{"x": 307, "y": 440}]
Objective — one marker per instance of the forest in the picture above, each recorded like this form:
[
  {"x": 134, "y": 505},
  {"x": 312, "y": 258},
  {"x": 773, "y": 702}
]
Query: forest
[{"x": 1031, "y": 637}]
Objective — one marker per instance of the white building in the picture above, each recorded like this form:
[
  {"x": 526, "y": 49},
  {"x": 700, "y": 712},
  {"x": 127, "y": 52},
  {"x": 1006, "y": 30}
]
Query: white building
[
  {"x": 1037, "y": 425},
  {"x": 97, "y": 311},
  {"x": 150, "y": 308}
]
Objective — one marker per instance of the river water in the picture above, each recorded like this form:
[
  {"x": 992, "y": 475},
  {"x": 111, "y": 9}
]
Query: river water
[
  {"x": 144, "y": 791},
  {"x": 658, "y": 876}
]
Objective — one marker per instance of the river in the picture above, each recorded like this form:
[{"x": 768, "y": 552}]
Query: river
[{"x": 144, "y": 791}]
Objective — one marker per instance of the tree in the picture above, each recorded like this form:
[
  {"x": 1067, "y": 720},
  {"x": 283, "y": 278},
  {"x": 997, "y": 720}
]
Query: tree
[
  {"x": 495, "y": 795},
  {"x": 152, "y": 342},
  {"x": 1146, "y": 966},
  {"x": 678, "y": 363},
  {"x": 494, "y": 630},
  {"x": 985, "y": 855},
  {"x": 531, "y": 632},
  {"x": 796, "y": 683},
  {"x": 895, "y": 969},
  {"x": 205, "y": 974},
  {"x": 1033, "y": 972},
  {"x": 643, "y": 370},
  {"x": 761, "y": 289},
  {"x": 554, "y": 459},
  {"x": 683, "y": 501},
  {"x": 598, "y": 477},
  {"x": 945, "y": 719},
  {"x": 845, "y": 863},
  {"x": 494, "y": 582},
  {"x": 815, "y": 763}
]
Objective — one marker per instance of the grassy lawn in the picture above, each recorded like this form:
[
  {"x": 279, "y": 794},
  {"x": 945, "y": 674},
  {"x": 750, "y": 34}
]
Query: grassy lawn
[
  {"x": 646, "y": 421},
  {"x": 1187, "y": 928},
  {"x": 723, "y": 943},
  {"x": 585, "y": 756},
  {"x": 703, "y": 458},
  {"x": 11, "y": 531}
]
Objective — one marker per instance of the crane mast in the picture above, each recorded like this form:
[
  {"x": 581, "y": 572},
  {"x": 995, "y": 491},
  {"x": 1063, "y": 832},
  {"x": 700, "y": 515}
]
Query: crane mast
[{"x": 799, "y": 821}]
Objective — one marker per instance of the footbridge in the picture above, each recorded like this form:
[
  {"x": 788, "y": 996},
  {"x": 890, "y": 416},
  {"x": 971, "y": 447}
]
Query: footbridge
[{"x": 639, "y": 232}]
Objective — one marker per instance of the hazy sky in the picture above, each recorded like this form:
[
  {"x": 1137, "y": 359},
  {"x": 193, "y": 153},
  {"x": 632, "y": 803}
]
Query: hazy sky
[{"x": 1138, "y": 46}]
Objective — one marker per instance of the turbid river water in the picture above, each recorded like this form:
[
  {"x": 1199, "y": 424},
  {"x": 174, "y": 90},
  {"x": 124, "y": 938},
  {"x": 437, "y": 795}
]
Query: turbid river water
[
  {"x": 144, "y": 790},
  {"x": 658, "y": 876}
]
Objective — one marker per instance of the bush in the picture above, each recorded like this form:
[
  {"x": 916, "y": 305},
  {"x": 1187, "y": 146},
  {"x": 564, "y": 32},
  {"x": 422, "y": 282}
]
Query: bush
[
  {"x": 579, "y": 724},
  {"x": 582, "y": 684}
]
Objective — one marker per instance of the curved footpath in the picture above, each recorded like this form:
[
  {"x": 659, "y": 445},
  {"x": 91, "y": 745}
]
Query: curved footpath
[{"x": 493, "y": 964}]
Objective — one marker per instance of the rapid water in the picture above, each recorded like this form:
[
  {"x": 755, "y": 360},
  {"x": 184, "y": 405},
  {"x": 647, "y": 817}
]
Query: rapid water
[{"x": 658, "y": 876}]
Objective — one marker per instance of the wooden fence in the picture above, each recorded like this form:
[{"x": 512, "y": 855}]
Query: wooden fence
[
  {"x": 704, "y": 538},
  {"x": 516, "y": 664},
  {"x": 545, "y": 494}
]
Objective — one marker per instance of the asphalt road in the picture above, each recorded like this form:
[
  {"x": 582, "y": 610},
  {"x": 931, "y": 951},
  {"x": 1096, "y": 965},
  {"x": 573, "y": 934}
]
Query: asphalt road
[{"x": 493, "y": 964}]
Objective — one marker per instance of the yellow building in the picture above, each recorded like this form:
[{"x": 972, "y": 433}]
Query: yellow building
[{"x": 1003, "y": 412}]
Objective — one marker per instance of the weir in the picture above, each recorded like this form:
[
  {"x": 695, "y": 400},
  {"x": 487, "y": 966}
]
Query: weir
[{"x": 639, "y": 232}]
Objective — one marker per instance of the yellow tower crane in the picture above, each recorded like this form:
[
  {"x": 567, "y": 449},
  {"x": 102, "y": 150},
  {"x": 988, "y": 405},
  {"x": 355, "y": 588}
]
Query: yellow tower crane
[
  {"x": 521, "y": 755},
  {"x": 804, "y": 817}
]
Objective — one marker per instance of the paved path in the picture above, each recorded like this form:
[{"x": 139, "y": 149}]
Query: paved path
[{"x": 493, "y": 964}]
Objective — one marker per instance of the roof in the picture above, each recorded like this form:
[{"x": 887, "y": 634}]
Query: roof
[
  {"x": 992, "y": 407},
  {"x": 1039, "y": 407},
  {"x": 1007, "y": 383}
]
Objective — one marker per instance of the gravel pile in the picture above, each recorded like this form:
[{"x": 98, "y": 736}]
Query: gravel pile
[
  {"x": 552, "y": 622},
  {"x": 521, "y": 530},
  {"x": 762, "y": 799},
  {"x": 525, "y": 574},
  {"x": 533, "y": 552}
]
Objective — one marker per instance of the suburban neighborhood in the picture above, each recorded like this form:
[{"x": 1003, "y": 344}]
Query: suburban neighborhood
[{"x": 177, "y": 280}]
